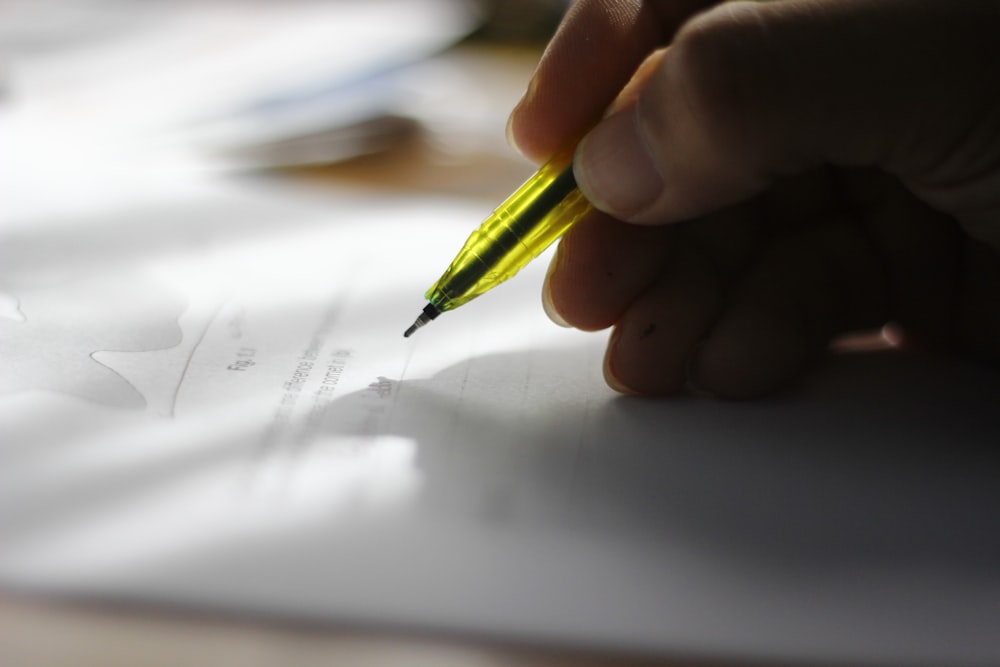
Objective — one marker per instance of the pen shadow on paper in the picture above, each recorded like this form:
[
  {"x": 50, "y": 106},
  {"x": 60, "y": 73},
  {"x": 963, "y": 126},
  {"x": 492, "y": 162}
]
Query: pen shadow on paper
[{"x": 880, "y": 457}]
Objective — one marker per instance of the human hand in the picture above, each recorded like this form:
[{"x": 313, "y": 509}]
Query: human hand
[{"x": 836, "y": 164}]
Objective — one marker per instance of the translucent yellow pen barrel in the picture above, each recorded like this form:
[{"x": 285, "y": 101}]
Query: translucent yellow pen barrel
[{"x": 538, "y": 213}]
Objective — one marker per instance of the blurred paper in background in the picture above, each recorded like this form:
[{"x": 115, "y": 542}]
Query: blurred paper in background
[{"x": 101, "y": 95}]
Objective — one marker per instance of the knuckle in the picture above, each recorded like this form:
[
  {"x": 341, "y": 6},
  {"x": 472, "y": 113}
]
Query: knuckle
[{"x": 713, "y": 64}]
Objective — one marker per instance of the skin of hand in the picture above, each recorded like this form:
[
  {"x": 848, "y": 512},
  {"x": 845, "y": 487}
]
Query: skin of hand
[{"x": 770, "y": 175}]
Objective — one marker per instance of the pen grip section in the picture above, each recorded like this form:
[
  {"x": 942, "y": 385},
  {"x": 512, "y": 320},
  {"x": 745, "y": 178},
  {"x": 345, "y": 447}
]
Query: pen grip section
[{"x": 520, "y": 229}]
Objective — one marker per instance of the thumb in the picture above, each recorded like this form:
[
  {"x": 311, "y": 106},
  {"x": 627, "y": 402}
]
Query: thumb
[{"x": 750, "y": 92}]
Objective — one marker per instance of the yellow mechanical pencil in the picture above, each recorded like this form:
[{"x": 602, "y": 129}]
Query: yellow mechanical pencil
[{"x": 538, "y": 213}]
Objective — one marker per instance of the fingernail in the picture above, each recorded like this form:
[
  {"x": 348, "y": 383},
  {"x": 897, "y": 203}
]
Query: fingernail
[
  {"x": 511, "y": 140},
  {"x": 610, "y": 377},
  {"x": 516, "y": 111},
  {"x": 547, "y": 305},
  {"x": 614, "y": 169}
]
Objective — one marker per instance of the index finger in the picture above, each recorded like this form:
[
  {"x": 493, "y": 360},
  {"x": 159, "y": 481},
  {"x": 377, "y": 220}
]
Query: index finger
[{"x": 595, "y": 51}]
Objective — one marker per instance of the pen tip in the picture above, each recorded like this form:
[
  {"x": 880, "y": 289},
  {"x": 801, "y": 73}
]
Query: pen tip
[
  {"x": 429, "y": 313},
  {"x": 421, "y": 321}
]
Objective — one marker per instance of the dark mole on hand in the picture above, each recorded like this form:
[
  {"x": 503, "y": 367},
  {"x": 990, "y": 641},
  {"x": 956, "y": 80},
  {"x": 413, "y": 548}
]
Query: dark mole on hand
[{"x": 648, "y": 331}]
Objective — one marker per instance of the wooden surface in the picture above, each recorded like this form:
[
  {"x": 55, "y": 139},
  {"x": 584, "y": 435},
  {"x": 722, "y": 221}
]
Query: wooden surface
[{"x": 52, "y": 633}]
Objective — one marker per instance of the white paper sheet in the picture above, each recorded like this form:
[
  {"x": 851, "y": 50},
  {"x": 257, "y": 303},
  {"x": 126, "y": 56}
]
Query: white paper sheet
[{"x": 211, "y": 405}]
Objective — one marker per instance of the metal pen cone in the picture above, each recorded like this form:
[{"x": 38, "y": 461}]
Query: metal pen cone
[{"x": 428, "y": 314}]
